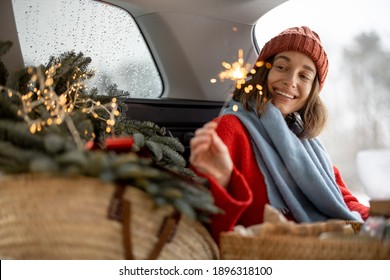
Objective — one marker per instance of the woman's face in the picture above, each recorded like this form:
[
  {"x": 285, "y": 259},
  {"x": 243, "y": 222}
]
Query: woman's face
[{"x": 290, "y": 81}]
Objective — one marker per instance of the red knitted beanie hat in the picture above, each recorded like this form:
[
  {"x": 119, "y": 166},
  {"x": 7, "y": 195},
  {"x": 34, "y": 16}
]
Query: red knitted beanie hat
[{"x": 300, "y": 39}]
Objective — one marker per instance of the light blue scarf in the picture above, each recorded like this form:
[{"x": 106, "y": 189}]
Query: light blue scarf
[{"x": 298, "y": 172}]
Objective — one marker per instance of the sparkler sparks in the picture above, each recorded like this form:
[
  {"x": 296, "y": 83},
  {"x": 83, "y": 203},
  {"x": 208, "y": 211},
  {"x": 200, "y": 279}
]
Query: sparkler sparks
[{"x": 238, "y": 71}]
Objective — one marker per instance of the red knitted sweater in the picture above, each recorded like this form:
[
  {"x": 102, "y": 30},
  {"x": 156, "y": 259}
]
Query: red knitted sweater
[{"x": 244, "y": 200}]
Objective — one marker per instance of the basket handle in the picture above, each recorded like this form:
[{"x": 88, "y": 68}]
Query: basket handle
[
  {"x": 167, "y": 231},
  {"x": 120, "y": 210}
]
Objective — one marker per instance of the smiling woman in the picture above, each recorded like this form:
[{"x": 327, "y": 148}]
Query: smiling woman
[
  {"x": 358, "y": 51},
  {"x": 267, "y": 152}
]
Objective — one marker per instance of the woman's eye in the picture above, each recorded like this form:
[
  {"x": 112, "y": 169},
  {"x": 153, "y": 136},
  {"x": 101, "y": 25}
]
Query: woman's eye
[
  {"x": 280, "y": 67},
  {"x": 305, "y": 77}
]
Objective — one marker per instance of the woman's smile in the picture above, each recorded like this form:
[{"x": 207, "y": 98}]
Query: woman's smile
[{"x": 285, "y": 94}]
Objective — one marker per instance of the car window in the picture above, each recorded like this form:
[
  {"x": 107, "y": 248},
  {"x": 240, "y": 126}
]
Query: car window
[
  {"x": 105, "y": 33},
  {"x": 356, "y": 37}
]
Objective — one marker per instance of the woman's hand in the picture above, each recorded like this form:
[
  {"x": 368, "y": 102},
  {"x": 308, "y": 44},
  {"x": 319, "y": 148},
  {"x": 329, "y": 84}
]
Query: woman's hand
[{"x": 209, "y": 155}]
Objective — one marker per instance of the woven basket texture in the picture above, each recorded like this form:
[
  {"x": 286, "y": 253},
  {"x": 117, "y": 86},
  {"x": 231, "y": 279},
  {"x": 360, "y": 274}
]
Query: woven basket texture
[
  {"x": 286, "y": 247},
  {"x": 48, "y": 217}
]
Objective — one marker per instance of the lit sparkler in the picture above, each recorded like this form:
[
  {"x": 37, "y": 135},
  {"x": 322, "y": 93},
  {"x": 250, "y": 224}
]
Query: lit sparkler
[{"x": 238, "y": 71}]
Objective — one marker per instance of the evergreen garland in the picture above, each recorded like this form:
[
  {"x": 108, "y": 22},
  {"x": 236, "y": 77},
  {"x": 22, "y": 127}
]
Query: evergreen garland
[
  {"x": 154, "y": 165},
  {"x": 4, "y": 47},
  {"x": 151, "y": 140}
]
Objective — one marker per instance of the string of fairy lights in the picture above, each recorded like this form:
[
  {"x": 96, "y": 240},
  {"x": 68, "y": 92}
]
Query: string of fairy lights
[{"x": 59, "y": 107}]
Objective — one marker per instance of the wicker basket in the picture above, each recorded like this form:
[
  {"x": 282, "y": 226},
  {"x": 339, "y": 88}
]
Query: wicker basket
[
  {"x": 235, "y": 246},
  {"x": 46, "y": 217}
]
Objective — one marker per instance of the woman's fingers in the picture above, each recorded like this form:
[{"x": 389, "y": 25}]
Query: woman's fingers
[
  {"x": 206, "y": 129},
  {"x": 206, "y": 146},
  {"x": 211, "y": 125},
  {"x": 199, "y": 139},
  {"x": 203, "y": 135},
  {"x": 198, "y": 150},
  {"x": 210, "y": 155}
]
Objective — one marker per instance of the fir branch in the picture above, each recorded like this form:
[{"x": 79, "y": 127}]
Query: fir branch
[
  {"x": 8, "y": 106},
  {"x": 172, "y": 157},
  {"x": 155, "y": 149},
  {"x": 139, "y": 140},
  {"x": 18, "y": 134},
  {"x": 5, "y": 46},
  {"x": 163, "y": 149},
  {"x": 113, "y": 91},
  {"x": 147, "y": 128},
  {"x": 171, "y": 142},
  {"x": 3, "y": 74},
  {"x": 14, "y": 159},
  {"x": 18, "y": 81},
  {"x": 74, "y": 69}
]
